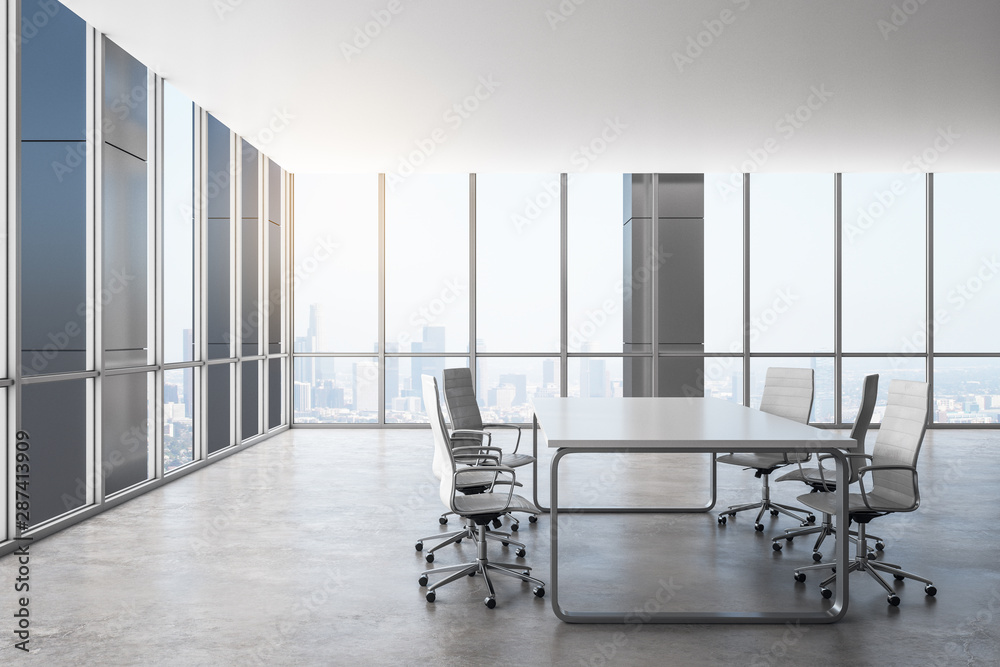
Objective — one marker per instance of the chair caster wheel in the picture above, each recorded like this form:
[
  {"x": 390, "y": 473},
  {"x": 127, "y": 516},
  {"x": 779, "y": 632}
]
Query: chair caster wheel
[
  {"x": 429, "y": 558},
  {"x": 472, "y": 574},
  {"x": 538, "y": 591},
  {"x": 443, "y": 520},
  {"x": 490, "y": 603},
  {"x": 800, "y": 577},
  {"x": 497, "y": 523},
  {"x": 880, "y": 546},
  {"x": 817, "y": 557},
  {"x": 430, "y": 596},
  {"x": 811, "y": 518},
  {"x": 722, "y": 521},
  {"x": 930, "y": 590},
  {"x": 759, "y": 527},
  {"x": 898, "y": 577},
  {"x": 834, "y": 568},
  {"x": 505, "y": 543},
  {"x": 422, "y": 580},
  {"x": 514, "y": 527},
  {"x": 789, "y": 538},
  {"x": 776, "y": 546},
  {"x": 532, "y": 519},
  {"x": 774, "y": 512},
  {"x": 419, "y": 546},
  {"x": 893, "y": 600},
  {"x": 458, "y": 541},
  {"x": 520, "y": 553},
  {"x": 826, "y": 593}
]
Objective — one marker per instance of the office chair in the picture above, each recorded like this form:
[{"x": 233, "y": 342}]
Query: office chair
[
  {"x": 467, "y": 422},
  {"x": 788, "y": 392},
  {"x": 481, "y": 508},
  {"x": 893, "y": 482},
  {"x": 468, "y": 450},
  {"x": 819, "y": 479}
]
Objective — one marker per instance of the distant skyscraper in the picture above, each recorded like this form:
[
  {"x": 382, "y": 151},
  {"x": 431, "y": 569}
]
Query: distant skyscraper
[
  {"x": 303, "y": 396},
  {"x": 548, "y": 372},
  {"x": 170, "y": 393},
  {"x": 365, "y": 386},
  {"x": 520, "y": 383},
  {"x": 597, "y": 386}
]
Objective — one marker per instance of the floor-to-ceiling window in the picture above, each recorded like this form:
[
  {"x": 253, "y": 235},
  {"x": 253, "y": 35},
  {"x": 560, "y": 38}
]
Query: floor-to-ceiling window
[
  {"x": 824, "y": 271},
  {"x": 122, "y": 237}
]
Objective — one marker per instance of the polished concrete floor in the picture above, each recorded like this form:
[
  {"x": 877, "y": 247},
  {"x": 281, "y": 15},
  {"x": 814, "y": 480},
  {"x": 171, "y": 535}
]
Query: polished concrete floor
[{"x": 300, "y": 551}]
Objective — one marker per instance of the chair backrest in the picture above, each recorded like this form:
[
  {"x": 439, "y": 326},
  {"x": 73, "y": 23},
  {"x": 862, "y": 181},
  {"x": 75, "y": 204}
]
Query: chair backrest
[
  {"x": 460, "y": 397},
  {"x": 788, "y": 393},
  {"x": 898, "y": 442},
  {"x": 444, "y": 461},
  {"x": 869, "y": 392}
]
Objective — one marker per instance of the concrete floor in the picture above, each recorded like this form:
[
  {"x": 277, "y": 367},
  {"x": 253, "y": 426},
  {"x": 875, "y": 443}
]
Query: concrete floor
[{"x": 299, "y": 551}]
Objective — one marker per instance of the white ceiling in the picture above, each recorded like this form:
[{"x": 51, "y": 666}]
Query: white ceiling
[{"x": 570, "y": 69}]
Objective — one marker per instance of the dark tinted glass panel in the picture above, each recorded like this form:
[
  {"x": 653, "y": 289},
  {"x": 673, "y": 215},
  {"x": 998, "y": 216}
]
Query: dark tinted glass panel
[
  {"x": 251, "y": 372},
  {"x": 54, "y": 414},
  {"x": 53, "y": 72},
  {"x": 53, "y": 259},
  {"x": 125, "y": 426},
  {"x": 217, "y": 417},
  {"x": 125, "y": 98},
  {"x": 274, "y": 389}
]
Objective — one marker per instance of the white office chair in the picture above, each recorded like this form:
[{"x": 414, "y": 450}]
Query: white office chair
[
  {"x": 893, "y": 482},
  {"x": 788, "y": 392},
  {"x": 480, "y": 508},
  {"x": 821, "y": 479},
  {"x": 467, "y": 422}
]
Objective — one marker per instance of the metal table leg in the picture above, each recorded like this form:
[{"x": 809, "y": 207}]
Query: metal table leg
[
  {"x": 830, "y": 615},
  {"x": 617, "y": 510}
]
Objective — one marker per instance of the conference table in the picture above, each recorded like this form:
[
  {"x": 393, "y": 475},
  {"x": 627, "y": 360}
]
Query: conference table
[{"x": 681, "y": 425}]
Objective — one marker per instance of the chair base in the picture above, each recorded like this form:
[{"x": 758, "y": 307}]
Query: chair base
[
  {"x": 766, "y": 504},
  {"x": 864, "y": 562},
  {"x": 484, "y": 567},
  {"x": 470, "y": 532},
  {"x": 824, "y": 529}
]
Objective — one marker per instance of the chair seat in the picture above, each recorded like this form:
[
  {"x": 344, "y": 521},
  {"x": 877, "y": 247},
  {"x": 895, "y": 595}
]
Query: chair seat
[
  {"x": 827, "y": 503},
  {"x": 476, "y": 479},
  {"x": 812, "y": 476},
  {"x": 492, "y": 503},
  {"x": 517, "y": 460},
  {"x": 760, "y": 461}
]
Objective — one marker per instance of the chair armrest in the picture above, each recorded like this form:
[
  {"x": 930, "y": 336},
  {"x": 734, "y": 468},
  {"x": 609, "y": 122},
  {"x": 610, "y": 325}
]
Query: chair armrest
[
  {"x": 518, "y": 442},
  {"x": 825, "y": 457},
  {"x": 469, "y": 434},
  {"x": 477, "y": 455},
  {"x": 497, "y": 470},
  {"x": 916, "y": 489}
]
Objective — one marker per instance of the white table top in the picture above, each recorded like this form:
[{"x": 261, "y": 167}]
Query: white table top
[{"x": 711, "y": 424}]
